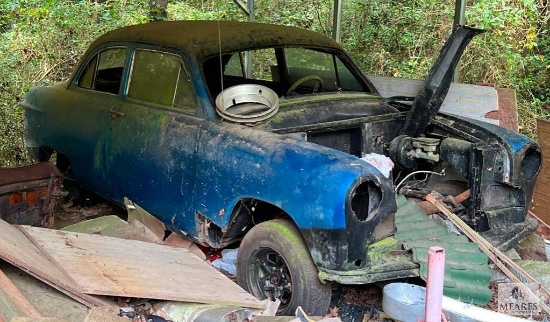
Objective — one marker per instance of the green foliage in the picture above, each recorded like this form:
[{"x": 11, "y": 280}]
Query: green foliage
[
  {"x": 396, "y": 38},
  {"x": 202, "y": 10},
  {"x": 42, "y": 40},
  {"x": 513, "y": 53},
  {"x": 41, "y": 43}
]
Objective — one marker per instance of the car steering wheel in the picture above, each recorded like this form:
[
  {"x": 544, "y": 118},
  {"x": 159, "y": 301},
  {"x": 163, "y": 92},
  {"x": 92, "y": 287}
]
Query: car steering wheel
[{"x": 304, "y": 79}]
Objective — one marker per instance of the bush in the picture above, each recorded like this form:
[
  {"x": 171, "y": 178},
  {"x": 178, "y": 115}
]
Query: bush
[
  {"x": 402, "y": 39},
  {"x": 42, "y": 40}
]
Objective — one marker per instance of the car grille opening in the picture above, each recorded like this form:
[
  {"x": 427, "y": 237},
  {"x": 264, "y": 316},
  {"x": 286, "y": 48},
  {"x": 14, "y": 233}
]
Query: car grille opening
[{"x": 366, "y": 200}]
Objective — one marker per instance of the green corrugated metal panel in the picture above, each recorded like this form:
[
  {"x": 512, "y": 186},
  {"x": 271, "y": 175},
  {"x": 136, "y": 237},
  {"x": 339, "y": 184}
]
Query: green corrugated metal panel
[
  {"x": 421, "y": 225},
  {"x": 467, "y": 273},
  {"x": 455, "y": 258},
  {"x": 447, "y": 241},
  {"x": 426, "y": 233}
]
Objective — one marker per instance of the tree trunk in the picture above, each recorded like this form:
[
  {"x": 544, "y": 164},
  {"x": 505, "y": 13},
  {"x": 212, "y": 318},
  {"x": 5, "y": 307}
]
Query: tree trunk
[{"x": 157, "y": 10}]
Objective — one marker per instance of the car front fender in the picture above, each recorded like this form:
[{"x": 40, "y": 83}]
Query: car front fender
[{"x": 316, "y": 186}]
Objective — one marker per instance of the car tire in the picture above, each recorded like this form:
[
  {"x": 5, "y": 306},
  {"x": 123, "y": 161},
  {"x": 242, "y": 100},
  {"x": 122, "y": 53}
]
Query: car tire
[{"x": 274, "y": 262}]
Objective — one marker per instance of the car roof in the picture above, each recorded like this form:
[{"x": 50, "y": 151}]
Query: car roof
[{"x": 205, "y": 38}]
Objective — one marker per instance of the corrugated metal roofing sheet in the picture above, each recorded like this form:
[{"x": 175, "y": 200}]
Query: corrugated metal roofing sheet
[{"x": 467, "y": 273}]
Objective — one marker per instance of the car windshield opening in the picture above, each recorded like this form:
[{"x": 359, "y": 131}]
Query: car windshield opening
[{"x": 287, "y": 71}]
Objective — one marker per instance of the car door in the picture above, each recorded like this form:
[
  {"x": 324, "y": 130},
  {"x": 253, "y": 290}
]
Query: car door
[
  {"x": 151, "y": 139},
  {"x": 92, "y": 95}
]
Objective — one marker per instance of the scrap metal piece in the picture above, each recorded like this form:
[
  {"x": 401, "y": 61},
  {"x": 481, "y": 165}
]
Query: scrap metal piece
[
  {"x": 28, "y": 194},
  {"x": 196, "y": 312}
]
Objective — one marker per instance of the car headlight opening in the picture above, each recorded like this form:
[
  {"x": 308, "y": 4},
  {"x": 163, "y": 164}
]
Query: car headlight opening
[
  {"x": 531, "y": 162},
  {"x": 365, "y": 200}
]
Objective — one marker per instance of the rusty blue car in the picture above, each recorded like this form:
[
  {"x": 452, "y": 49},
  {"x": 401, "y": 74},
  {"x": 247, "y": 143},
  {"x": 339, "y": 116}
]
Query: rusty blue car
[{"x": 257, "y": 134}]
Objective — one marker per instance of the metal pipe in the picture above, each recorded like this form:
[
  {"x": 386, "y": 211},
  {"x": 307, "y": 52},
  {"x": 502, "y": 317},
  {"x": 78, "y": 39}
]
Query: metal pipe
[
  {"x": 248, "y": 10},
  {"x": 460, "y": 20},
  {"x": 460, "y": 10},
  {"x": 434, "y": 285},
  {"x": 337, "y": 20},
  {"x": 248, "y": 54}
]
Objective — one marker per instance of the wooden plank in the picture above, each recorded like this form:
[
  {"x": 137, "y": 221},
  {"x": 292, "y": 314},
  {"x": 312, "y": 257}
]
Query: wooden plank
[
  {"x": 17, "y": 298},
  {"x": 508, "y": 108},
  {"x": 18, "y": 250},
  {"x": 466, "y": 100},
  {"x": 47, "y": 300},
  {"x": 541, "y": 199},
  {"x": 104, "y": 265}
]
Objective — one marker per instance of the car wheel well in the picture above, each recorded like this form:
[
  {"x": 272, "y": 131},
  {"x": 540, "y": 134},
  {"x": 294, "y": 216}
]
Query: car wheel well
[
  {"x": 46, "y": 153},
  {"x": 249, "y": 212},
  {"x": 43, "y": 153}
]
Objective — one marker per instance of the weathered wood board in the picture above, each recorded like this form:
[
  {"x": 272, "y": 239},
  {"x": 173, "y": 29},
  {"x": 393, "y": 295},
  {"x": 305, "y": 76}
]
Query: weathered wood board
[
  {"x": 17, "y": 298},
  {"x": 466, "y": 100},
  {"x": 112, "y": 266},
  {"x": 18, "y": 250},
  {"x": 541, "y": 199}
]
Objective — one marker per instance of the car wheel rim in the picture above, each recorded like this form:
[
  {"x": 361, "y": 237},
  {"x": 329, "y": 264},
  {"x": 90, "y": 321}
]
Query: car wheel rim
[{"x": 270, "y": 277}]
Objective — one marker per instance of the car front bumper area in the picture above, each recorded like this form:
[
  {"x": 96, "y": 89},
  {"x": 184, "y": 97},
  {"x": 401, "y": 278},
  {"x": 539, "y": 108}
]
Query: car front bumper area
[{"x": 388, "y": 262}]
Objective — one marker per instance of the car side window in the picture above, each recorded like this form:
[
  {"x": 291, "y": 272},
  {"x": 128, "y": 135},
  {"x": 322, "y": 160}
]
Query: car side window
[
  {"x": 264, "y": 71},
  {"x": 348, "y": 82},
  {"x": 235, "y": 66},
  {"x": 104, "y": 71},
  {"x": 161, "y": 78}
]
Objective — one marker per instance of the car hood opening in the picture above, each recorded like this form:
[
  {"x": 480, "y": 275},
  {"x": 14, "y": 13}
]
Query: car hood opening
[{"x": 430, "y": 98}]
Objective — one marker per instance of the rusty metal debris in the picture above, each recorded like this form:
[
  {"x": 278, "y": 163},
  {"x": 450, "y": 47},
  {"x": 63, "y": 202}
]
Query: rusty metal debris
[
  {"x": 428, "y": 207},
  {"x": 28, "y": 194}
]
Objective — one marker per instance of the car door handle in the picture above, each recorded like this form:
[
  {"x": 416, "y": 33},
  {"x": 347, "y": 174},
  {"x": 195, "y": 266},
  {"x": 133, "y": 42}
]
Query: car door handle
[{"x": 116, "y": 113}]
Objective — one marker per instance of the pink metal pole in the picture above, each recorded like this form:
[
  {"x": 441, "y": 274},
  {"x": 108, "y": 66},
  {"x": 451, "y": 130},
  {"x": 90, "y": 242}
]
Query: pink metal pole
[{"x": 434, "y": 285}]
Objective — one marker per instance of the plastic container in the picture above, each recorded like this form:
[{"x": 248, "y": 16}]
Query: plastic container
[{"x": 404, "y": 302}]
